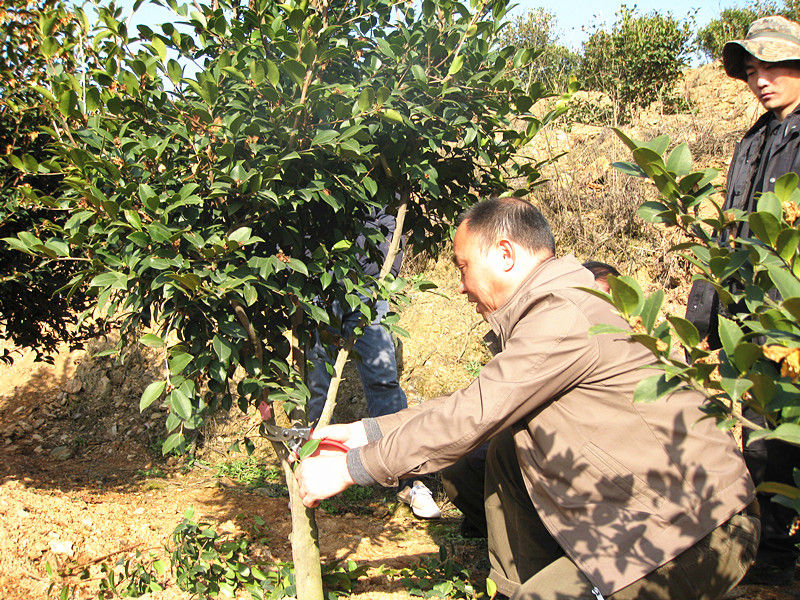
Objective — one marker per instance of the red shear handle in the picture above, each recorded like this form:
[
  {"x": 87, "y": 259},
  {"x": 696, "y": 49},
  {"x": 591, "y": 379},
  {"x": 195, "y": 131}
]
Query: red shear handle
[{"x": 328, "y": 444}]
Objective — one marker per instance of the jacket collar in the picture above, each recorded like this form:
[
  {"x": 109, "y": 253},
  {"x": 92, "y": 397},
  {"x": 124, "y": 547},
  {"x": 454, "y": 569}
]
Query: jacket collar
[
  {"x": 552, "y": 274},
  {"x": 791, "y": 120}
]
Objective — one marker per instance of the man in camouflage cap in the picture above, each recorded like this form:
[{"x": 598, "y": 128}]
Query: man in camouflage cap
[{"x": 768, "y": 60}]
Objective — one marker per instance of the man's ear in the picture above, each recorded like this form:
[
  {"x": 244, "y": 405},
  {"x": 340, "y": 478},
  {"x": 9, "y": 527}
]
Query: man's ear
[{"x": 507, "y": 254}]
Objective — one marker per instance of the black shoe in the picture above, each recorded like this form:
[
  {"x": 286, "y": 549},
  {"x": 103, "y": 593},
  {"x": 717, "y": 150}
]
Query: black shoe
[{"x": 469, "y": 530}]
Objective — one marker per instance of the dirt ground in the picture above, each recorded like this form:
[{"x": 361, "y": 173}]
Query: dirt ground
[{"x": 82, "y": 482}]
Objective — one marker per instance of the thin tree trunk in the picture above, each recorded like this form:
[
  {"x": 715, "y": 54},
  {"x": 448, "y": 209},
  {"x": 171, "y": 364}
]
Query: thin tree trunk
[
  {"x": 305, "y": 538},
  {"x": 305, "y": 543}
]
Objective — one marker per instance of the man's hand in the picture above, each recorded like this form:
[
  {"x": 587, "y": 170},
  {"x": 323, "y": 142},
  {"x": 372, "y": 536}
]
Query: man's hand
[
  {"x": 352, "y": 434},
  {"x": 322, "y": 476}
]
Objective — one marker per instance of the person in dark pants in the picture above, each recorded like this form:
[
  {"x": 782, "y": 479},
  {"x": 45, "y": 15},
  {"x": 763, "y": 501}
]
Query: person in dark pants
[
  {"x": 464, "y": 482},
  {"x": 768, "y": 60},
  {"x": 376, "y": 363}
]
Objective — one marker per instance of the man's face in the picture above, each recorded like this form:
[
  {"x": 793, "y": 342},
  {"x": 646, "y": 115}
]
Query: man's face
[
  {"x": 776, "y": 85},
  {"x": 480, "y": 271}
]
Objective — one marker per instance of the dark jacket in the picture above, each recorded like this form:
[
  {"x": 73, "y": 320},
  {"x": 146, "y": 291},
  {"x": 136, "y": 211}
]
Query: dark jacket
[
  {"x": 622, "y": 487},
  {"x": 743, "y": 183}
]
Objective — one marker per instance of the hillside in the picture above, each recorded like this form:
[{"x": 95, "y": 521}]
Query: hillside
[{"x": 82, "y": 482}]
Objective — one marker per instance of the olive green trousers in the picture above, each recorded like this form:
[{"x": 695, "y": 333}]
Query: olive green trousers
[{"x": 528, "y": 564}]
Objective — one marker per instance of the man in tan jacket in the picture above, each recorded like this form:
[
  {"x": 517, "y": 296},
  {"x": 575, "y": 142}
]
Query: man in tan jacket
[{"x": 587, "y": 494}]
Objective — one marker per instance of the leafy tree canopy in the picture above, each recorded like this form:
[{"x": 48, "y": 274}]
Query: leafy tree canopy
[
  {"x": 220, "y": 205},
  {"x": 32, "y": 314},
  {"x": 638, "y": 59}
]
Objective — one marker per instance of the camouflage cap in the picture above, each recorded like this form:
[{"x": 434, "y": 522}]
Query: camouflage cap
[{"x": 771, "y": 39}]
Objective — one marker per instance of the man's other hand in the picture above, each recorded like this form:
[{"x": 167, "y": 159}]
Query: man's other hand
[
  {"x": 322, "y": 476},
  {"x": 353, "y": 435}
]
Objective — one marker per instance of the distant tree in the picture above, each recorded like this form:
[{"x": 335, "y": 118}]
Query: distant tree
[
  {"x": 637, "y": 60},
  {"x": 554, "y": 63},
  {"x": 731, "y": 25},
  {"x": 32, "y": 315}
]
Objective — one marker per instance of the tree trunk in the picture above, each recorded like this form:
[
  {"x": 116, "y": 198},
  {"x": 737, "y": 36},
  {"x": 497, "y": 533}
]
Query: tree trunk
[{"x": 305, "y": 543}]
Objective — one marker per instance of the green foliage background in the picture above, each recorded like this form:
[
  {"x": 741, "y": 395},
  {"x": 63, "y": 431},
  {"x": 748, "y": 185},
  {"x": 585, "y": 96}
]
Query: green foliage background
[{"x": 32, "y": 314}]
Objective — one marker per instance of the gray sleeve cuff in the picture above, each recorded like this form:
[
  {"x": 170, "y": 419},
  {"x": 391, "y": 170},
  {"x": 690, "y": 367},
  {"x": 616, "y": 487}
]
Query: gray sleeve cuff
[
  {"x": 372, "y": 430},
  {"x": 356, "y": 468}
]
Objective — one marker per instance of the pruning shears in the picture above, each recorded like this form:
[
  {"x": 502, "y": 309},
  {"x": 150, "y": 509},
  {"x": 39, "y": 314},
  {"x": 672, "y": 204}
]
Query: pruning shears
[{"x": 295, "y": 437}]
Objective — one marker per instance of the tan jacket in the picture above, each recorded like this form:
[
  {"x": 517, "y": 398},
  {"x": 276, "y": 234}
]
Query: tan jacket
[{"x": 622, "y": 487}]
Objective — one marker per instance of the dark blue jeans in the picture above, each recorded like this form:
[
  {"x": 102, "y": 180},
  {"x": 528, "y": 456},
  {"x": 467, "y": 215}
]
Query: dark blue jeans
[{"x": 375, "y": 361}]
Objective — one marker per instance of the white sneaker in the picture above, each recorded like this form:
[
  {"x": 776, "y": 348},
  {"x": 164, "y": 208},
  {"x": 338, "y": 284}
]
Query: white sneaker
[{"x": 420, "y": 499}]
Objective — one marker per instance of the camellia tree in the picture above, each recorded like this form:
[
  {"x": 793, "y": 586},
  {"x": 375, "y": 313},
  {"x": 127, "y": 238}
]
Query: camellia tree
[
  {"x": 217, "y": 172},
  {"x": 32, "y": 315},
  {"x": 758, "y": 365}
]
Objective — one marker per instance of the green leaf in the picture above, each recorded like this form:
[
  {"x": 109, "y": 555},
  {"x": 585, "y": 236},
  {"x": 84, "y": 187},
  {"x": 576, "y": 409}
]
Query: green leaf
[
  {"x": 173, "y": 442},
  {"x": 341, "y": 245},
  {"x": 419, "y": 73},
  {"x": 308, "y": 449},
  {"x": 784, "y": 489},
  {"x": 456, "y": 65},
  {"x": 788, "y": 432},
  {"x": 151, "y": 393},
  {"x": 366, "y": 99},
  {"x": 730, "y": 334},
  {"x": 745, "y": 355},
  {"x": 180, "y": 404},
  {"x": 174, "y": 71},
  {"x": 178, "y": 362},
  {"x": 680, "y": 160},
  {"x": 783, "y": 189},
  {"x": 112, "y": 279},
  {"x": 385, "y": 47},
  {"x": 273, "y": 74},
  {"x": 735, "y": 387},
  {"x": 651, "y": 308},
  {"x": 766, "y": 227},
  {"x": 151, "y": 340},
  {"x": 658, "y": 144},
  {"x": 787, "y": 284},
  {"x": 223, "y": 349},
  {"x": 626, "y": 294},
  {"x": 295, "y": 69},
  {"x": 392, "y": 115},
  {"x": 242, "y": 235},
  {"x": 325, "y": 136},
  {"x": 685, "y": 330},
  {"x": 159, "y": 47},
  {"x": 654, "y": 387},
  {"x": 769, "y": 203},
  {"x": 629, "y": 169},
  {"x": 787, "y": 244}
]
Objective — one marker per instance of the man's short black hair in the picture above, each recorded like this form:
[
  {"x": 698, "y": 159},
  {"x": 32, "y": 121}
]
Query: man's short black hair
[
  {"x": 600, "y": 269},
  {"x": 512, "y": 218}
]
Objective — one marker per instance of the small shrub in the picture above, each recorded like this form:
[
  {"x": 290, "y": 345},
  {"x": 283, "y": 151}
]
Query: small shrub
[
  {"x": 208, "y": 563},
  {"x": 732, "y": 24},
  {"x": 249, "y": 471},
  {"x": 637, "y": 60},
  {"x": 554, "y": 63},
  {"x": 440, "y": 577}
]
